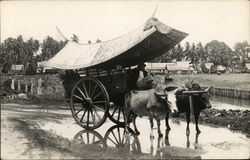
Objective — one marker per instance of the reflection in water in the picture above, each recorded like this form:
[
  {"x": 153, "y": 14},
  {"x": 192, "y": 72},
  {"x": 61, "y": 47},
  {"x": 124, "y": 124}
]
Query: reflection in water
[
  {"x": 116, "y": 137},
  {"x": 160, "y": 144},
  {"x": 89, "y": 137},
  {"x": 212, "y": 142}
]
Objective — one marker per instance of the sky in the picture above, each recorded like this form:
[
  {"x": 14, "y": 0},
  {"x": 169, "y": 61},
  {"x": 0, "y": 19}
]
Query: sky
[{"x": 204, "y": 21}]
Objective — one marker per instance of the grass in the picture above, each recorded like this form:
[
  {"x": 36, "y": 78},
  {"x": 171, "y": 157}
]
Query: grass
[
  {"x": 235, "y": 120},
  {"x": 231, "y": 81}
]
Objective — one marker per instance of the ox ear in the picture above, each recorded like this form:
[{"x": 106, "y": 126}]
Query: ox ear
[
  {"x": 159, "y": 95},
  {"x": 170, "y": 88},
  {"x": 207, "y": 89}
]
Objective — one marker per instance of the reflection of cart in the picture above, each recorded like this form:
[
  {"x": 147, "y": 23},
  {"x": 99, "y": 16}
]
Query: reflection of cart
[{"x": 107, "y": 70}]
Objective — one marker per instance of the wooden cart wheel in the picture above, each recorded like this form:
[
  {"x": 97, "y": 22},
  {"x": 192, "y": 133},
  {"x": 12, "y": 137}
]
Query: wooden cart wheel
[
  {"x": 89, "y": 137},
  {"x": 89, "y": 103},
  {"x": 116, "y": 114},
  {"x": 115, "y": 137}
]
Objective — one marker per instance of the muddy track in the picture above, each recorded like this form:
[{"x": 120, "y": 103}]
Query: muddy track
[{"x": 24, "y": 133}]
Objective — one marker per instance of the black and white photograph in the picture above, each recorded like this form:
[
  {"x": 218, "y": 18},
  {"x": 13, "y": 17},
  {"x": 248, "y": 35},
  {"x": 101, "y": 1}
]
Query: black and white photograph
[{"x": 123, "y": 79}]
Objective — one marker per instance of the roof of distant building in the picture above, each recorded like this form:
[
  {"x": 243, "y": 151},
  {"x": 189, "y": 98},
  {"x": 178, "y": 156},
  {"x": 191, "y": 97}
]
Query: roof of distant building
[{"x": 17, "y": 67}]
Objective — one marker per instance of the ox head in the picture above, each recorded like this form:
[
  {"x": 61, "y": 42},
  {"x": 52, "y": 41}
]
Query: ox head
[
  {"x": 203, "y": 97},
  {"x": 168, "y": 98},
  {"x": 162, "y": 98},
  {"x": 171, "y": 91}
]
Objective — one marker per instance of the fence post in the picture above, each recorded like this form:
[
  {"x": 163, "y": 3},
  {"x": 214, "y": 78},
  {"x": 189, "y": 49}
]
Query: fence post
[
  {"x": 13, "y": 84},
  {"x": 26, "y": 88},
  {"x": 18, "y": 85},
  {"x": 32, "y": 86}
]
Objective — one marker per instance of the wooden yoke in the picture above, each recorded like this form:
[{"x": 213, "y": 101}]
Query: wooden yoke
[{"x": 191, "y": 93}]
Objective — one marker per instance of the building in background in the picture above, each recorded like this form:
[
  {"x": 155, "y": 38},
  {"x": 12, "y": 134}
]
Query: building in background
[
  {"x": 17, "y": 69},
  {"x": 182, "y": 67}
]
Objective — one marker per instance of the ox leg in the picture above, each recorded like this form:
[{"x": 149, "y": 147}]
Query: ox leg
[
  {"x": 167, "y": 139},
  {"x": 188, "y": 120},
  {"x": 133, "y": 119},
  {"x": 166, "y": 121},
  {"x": 159, "y": 128},
  {"x": 126, "y": 116},
  {"x": 188, "y": 141},
  {"x": 196, "y": 117},
  {"x": 151, "y": 126}
]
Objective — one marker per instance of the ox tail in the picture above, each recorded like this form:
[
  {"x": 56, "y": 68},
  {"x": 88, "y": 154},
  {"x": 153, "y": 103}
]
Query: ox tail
[{"x": 127, "y": 98}]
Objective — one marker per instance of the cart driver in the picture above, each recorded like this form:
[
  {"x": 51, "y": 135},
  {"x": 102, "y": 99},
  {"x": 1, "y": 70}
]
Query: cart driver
[{"x": 145, "y": 80}]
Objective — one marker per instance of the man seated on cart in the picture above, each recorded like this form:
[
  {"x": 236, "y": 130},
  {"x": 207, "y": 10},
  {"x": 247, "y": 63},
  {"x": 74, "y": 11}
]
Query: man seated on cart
[{"x": 145, "y": 80}]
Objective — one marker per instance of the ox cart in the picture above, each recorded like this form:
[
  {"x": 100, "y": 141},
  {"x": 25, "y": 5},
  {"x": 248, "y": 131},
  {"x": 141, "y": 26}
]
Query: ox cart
[{"x": 98, "y": 75}]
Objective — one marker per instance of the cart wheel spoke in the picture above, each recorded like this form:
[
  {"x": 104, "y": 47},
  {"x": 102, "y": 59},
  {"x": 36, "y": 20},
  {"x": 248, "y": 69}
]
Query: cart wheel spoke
[
  {"x": 93, "y": 139},
  {"x": 112, "y": 141},
  {"x": 82, "y": 139},
  {"x": 79, "y": 111},
  {"x": 123, "y": 139},
  {"x": 114, "y": 111},
  {"x": 83, "y": 115},
  {"x": 115, "y": 137},
  {"x": 98, "y": 108},
  {"x": 92, "y": 93},
  {"x": 119, "y": 112},
  {"x": 81, "y": 92},
  {"x": 98, "y": 102},
  {"x": 88, "y": 119},
  {"x": 87, "y": 137},
  {"x": 119, "y": 134},
  {"x": 98, "y": 95},
  {"x": 93, "y": 117},
  {"x": 78, "y": 97},
  {"x": 90, "y": 137},
  {"x": 97, "y": 113},
  {"x": 84, "y": 89}
]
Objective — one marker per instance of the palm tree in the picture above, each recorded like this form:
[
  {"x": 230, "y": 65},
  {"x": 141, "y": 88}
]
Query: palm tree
[{"x": 75, "y": 38}]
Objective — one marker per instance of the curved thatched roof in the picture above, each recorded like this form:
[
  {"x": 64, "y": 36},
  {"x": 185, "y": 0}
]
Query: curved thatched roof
[{"x": 140, "y": 45}]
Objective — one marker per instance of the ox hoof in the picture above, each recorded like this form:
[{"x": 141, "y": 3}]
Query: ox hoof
[
  {"x": 168, "y": 129},
  {"x": 198, "y": 131},
  {"x": 152, "y": 136},
  {"x": 187, "y": 132},
  {"x": 160, "y": 135},
  {"x": 137, "y": 133}
]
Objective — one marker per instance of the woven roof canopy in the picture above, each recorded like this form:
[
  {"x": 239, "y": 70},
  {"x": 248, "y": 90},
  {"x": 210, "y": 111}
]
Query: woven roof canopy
[{"x": 140, "y": 45}]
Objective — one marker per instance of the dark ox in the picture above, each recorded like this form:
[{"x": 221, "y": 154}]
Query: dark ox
[
  {"x": 200, "y": 102},
  {"x": 147, "y": 103}
]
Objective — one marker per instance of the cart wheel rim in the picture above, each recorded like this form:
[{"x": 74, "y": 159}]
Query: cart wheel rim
[
  {"x": 89, "y": 103},
  {"x": 89, "y": 137},
  {"x": 116, "y": 114},
  {"x": 115, "y": 137}
]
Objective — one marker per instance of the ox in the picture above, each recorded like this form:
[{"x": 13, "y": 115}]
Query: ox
[
  {"x": 147, "y": 103},
  {"x": 200, "y": 102}
]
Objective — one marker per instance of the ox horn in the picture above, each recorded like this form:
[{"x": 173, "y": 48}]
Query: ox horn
[
  {"x": 159, "y": 94},
  {"x": 207, "y": 89}
]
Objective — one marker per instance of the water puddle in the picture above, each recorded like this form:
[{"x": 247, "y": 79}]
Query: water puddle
[{"x": 211, "y": 143}]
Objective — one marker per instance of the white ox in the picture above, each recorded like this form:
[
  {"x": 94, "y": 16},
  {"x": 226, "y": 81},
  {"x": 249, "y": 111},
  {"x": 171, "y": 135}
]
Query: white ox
[{"x": 150, "y": 103}]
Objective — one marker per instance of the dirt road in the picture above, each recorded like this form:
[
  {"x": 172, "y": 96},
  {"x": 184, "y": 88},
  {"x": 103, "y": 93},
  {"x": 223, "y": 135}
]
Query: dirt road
[{"x": 29, "y": 133}]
